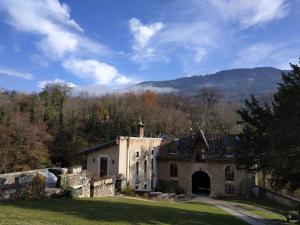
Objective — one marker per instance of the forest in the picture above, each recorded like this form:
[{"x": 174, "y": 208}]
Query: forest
[{"x": 48, "y": 128}]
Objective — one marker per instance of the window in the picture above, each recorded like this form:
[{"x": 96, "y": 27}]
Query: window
[
  {"x": 173, "y": 170},
  {"x": 145, "y": 168},
  {"x": 151, "y": 183},
  {"x": 137, "y": 154},
  {"x": 197, "y": 157},
  {"x": 229, "y": 173},
  {"x": 137, "y": 168},
  {"x": 152, "y": 152},
  {"x": 103, "y": 166},
  {"x": 145, "y": 186},
  {"x": 229, "y": 189},
  {"x": 152, "y": 164}
]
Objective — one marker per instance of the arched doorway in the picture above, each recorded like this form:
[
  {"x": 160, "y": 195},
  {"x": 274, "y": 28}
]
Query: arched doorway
[{"x": 201, "y": 183}]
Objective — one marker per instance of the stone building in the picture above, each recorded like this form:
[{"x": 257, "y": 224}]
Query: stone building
[
  {"x": 202, "y": 164},
  {"x": 197, "y": 163},
  {"x": 130, "y": 158}
]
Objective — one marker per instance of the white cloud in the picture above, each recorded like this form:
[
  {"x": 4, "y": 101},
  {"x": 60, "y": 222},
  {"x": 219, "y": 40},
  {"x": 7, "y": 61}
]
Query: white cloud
[
  {"x": 267, "y": 54},
  {"x": 100, "y": 72},
  {"x": 143, "y": 33},
  {"x": 42, "y": 84},
  {"x": 15, "y": 73},
  {"x": 59, "y": 34},
  {"x": 252, "y": 13},
  {"x": 200, "y": 55}
]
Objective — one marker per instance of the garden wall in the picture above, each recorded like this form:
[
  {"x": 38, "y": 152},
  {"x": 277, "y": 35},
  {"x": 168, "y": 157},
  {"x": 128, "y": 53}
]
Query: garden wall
[{"x": 277, "y": 197}]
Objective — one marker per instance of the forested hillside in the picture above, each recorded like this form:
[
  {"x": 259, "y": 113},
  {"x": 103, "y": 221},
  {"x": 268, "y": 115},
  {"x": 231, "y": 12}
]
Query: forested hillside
[
  {"x": 49, "y": 127},
  {"x": 235, "y": 84}
]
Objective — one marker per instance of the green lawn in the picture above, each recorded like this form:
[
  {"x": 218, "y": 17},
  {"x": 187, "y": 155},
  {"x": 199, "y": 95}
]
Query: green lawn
[{"x": 114, "y": 210}]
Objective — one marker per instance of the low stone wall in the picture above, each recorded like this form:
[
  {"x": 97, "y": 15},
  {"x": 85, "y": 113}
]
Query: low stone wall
[
  {"x": 24, "y": 187},
  {"x": 277, "y": 197},
  {"x": 10, "y": 178},
  {"x": 103, "y": 188},
  {"x": 78, "y": 183}
]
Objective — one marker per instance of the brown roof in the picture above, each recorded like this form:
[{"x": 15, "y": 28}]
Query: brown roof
[
  {"x": 98, "y": 147},
  {"x": 218, "y": 146}
]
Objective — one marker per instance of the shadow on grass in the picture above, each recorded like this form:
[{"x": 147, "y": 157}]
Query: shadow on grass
[{"x": 132, "y": 212}]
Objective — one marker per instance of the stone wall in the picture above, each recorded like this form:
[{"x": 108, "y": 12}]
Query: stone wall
[
  {"x": 10, "y": 178},
  {"x": 277, "y": 197},
  {"x": 24, "y": 187},
  {"x": 78, "y": 183},
  {"x": 103, "y": 188}
]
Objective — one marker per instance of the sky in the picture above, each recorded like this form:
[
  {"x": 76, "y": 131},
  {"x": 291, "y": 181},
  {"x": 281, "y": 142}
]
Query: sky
[{"x": 103, "y": 45}]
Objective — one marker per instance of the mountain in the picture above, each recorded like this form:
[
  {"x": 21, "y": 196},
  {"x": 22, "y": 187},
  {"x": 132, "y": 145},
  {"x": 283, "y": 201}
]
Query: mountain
[
  {"x": 3, "y": 90},
  {"x": 235, "y": 84}
]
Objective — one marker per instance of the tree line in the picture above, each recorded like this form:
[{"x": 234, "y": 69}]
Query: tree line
[{"x": 46, "y": 128}]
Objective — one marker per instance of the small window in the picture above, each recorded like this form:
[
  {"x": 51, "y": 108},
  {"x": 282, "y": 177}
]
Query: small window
[
  {"x": 145, "y": 186},
  {"x": 229, "y": 189},
  {"x": 229, "y": 173},
  {"x": 197, "y": 157},
  {"x": 173, "y": 170},
  {"x": 113, "y": 162},
  {"x": 152, "y": 152},
  {"x": 137, "y": 168},
  {"x": 152, "y": 165},
  {"x": 137, "y": 154},
  {"x": 145, "y": 167}
]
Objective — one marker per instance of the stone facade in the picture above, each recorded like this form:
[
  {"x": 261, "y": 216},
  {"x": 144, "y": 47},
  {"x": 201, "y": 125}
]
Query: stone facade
[{"x": 215, "y": 171}]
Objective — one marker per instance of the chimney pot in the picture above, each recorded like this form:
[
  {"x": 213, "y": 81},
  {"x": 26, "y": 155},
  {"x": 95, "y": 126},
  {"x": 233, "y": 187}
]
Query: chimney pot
[{"x": 141, "y": 129}]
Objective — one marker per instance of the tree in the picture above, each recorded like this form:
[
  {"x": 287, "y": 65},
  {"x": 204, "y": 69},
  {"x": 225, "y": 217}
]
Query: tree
[
  {"x": 209, "y": 96},
  {"x": 270, "y": 140}
]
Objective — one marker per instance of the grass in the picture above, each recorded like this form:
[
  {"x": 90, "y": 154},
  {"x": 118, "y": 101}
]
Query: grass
[
  {"x": 268, "y": 210},
  {"x": 113, "y": 210}
]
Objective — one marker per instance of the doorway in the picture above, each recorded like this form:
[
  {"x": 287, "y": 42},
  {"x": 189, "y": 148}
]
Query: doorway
[{"x": 201, "y": 183}]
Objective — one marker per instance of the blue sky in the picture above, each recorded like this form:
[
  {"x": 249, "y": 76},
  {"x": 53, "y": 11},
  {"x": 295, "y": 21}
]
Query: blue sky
[{"x": 102, "y": 45}]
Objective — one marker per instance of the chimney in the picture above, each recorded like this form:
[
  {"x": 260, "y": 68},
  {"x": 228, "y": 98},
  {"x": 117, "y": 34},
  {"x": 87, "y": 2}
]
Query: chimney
[{"x": 141, "y": 129}]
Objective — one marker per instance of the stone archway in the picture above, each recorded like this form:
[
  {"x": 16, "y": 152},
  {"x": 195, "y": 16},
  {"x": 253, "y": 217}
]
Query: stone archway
[{"x": 201, "y": 183}]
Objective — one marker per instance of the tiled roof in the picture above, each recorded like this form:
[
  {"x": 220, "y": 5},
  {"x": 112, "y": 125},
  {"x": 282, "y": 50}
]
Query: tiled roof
[{"x": 219, "y": 146}]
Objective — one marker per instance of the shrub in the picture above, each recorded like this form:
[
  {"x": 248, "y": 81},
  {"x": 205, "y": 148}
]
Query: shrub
[
  {"x": 128, "y": 191},
  {"x": 169, "y": 186},
  {"x": 294, "y": 214}
]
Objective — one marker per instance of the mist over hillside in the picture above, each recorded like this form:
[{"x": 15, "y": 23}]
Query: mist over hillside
[{"x": 235, "y": 84}]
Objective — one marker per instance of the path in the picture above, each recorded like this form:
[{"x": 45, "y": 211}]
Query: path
[{"x": 234, "y": 209}]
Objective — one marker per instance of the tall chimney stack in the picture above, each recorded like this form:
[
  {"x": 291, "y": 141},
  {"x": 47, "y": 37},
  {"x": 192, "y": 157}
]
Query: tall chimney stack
[{"x": 141, "y": 129}]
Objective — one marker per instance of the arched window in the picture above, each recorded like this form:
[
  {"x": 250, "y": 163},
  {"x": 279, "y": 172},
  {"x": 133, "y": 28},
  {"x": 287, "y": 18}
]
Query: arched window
[
  {"x": 229, "y": 173},
  {"x": 173, "y": 170}
]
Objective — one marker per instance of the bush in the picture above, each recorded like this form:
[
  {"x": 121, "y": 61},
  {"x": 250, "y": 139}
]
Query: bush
[
  {"x": 169, "y": 186},
  {"x": 128, "y": 191},
  {"x": 294, "y": 214},
  {"x": 179, "y": 191}
]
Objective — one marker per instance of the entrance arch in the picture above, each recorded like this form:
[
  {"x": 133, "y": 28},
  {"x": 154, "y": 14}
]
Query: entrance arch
[{"x": 201, "y": 183}]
